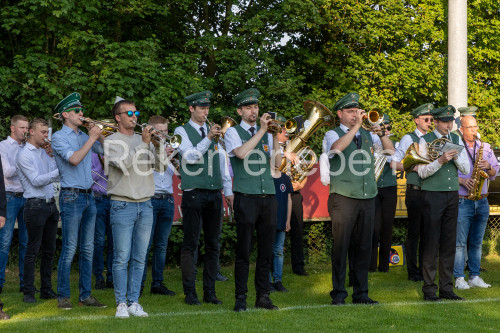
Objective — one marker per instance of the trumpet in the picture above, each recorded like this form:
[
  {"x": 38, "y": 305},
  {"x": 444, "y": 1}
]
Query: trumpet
[
  {"x": 274, "y": 126},
  {"x": 47, "y": 145},
  {"x": 372, "y": 118},
  {"x": 106, "y": 125},
  {"x": 173, "y": 141}
]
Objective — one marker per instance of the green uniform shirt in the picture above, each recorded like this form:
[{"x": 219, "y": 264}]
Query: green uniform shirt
[
  {"x": 261, "y": 182},
  {"x": 446, "y": 178},
  {"x": 346, "y": 183},
  {"x": 206, "y": 174}
]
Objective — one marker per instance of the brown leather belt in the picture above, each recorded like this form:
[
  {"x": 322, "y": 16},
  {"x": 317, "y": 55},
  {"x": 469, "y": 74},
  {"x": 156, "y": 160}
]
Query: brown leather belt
[{"x": 481, "y": 197}]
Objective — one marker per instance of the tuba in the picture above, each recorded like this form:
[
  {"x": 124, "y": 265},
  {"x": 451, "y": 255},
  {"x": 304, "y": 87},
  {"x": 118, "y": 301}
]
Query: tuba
[{"x": 317, "y": 115}]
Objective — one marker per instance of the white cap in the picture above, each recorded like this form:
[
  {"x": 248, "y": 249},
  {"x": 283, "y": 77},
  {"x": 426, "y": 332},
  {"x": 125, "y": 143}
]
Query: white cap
[{"x": 118, "y": 98}]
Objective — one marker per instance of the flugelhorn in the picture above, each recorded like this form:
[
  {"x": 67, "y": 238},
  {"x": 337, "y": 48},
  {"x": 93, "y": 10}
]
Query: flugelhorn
[{"x": 173, "y": 141}]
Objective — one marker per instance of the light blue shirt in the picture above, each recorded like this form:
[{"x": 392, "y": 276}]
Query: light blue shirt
[
  {"x": 163, "y": 181},
  {"x": 64, "y": 144},
  {"x": 9, "y": 149},
  {"x": 37, "y": 171}
]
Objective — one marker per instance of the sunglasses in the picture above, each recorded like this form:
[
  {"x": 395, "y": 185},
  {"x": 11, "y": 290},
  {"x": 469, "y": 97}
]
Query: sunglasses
[
  {"x": 388, "y": 127},
  {"x": 131, "y": 113},
  {"x": 76, "y": 109},
  {"x": 427, "y": 120}
]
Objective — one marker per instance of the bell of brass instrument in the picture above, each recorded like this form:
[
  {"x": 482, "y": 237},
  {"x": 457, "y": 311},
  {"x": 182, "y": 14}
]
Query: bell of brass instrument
[
  {"x": 291, "y": 126},
  {"x": 226, "y": 123},
  {"x": 373, "y": 117},
  {"x": 412, "y": 158},
  {"x": 318, "y": 115},
  {"x": 434, "y": 148},
  {"x": 478, "y": 176}
]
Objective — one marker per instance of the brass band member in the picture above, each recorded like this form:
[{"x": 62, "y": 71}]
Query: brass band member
[
  {"x": 413, "y": 199},
  {"x": 204, "y": 174},
  {"x": 15, "y": 200},
  {"x": 351, "y": 203},
  {"x": 473, "y": 211},
  {"x": 250, "y": 149},
  {"x": 440, "y": 195},
  {"x": 37, "y": 171}
]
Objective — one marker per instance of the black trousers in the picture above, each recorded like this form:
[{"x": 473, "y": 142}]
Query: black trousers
[
  {"x": 352, "y": 228},
  {"x": 440, "y": 234},
  {"x": 414, "y": 253},
  {"x": 200, "y": 209},
  {"x": 385, "y": 209},
  {"x": 41, "y": 223},
  {"x": 254, "y": 213},
  {"x": 296, "y": 232}
]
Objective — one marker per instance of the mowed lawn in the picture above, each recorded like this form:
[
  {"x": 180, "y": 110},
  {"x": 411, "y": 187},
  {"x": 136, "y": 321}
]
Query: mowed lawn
[{"x": 304, "y": 309}]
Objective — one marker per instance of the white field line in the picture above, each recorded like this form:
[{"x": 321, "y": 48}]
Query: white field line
[{"x": 226, "y": 311}]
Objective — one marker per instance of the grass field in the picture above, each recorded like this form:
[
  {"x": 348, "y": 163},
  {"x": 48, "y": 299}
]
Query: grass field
[{"x": 305, "y": 308}]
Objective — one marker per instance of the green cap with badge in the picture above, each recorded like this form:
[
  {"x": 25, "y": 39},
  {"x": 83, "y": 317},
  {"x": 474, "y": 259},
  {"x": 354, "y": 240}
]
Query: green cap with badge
[
  {"x": 247, "y": 97},
  {"x": 70, "y": 101},
  {"x": 351, "y": 100},
  {"x": 445, "y": 113},
  {"x": 387, "y": 119},
  {"x": 422, "y": 110},
  {"x": 199, "y": 99},
  {"x": 468, "y": 111}
]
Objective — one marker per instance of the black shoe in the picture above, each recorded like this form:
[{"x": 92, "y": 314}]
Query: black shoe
[
  {"x": 338, "y": 300},
  {"x": 192, "y": 299},
  {"x": 160, "y": 289},
  {"x": 48, "y": 295},
  {"x": 110, "y": 284},
  {"x": 221, "y": 277},
  {"x": 451, "y": 296},
  {"x": 364, "y": 300},
  {"x": 431, "y": 298},
  {"x": 264, "y": 302},
  {"x": 241, "y": 303},
  {"x": 100, "y": 285},
  {"x": 29, "y": 298},
  {"x": 271, "y": 288},
  {"x": 278, "y": 286},
  {"x": 416, "y": 278},
  {"x": 301, "y": 272},
  {"x": 211, "y": 298}
]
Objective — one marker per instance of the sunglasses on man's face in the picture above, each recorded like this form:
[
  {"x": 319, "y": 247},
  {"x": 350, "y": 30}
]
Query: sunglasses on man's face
[
  {"x": 131, "y": 113},
  {"x": 388, "y": 127},
  {"x": 427, "y": 119},
  {"x": 76, "y": 110}
]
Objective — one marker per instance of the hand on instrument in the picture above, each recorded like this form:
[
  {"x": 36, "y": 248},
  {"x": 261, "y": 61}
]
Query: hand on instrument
[
  {"x": 360, "y": 117},
  {"x": 229, "y": 201},
  {"x": 467, "y": 182},
  {"x": 214, "y": 130},
  {"x": 483, "y": 164},
  {"x": 48, "y": 149},
  {"x": 94, "y": 132},
  {"x": 169, "y": 150},
  {"x": 376, "y": 129},
  {"x": 446, "y": 157},
  {"x": 265, "y": 119},
  {"x": 146, "y": 134},
  {"x": 292, "y": 157}
]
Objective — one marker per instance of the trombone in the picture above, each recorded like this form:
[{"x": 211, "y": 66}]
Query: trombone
[{"x": 106, "y": 125}]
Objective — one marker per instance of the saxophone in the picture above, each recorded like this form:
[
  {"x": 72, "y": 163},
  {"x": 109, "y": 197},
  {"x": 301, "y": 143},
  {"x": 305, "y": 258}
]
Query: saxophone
[{"x": 478, "y": 176}]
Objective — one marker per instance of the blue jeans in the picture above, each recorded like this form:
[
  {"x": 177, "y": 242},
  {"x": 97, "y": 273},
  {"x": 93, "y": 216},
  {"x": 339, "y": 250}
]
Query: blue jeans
[
  {"x": 472, "y": 220},
  {"x": 131, "y": 223},
  {"x": 163, "y": 217},
  {"x": 15, "y": 207},
  {"x": 78, "y": 214},
  {"x": 103, "y": 233},
  {"x": 279, "y": 242}
]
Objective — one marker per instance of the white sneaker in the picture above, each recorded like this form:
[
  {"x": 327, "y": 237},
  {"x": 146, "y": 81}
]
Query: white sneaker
[
  {"x": 121, "y": 311},
  {"x": 461, "y": 284},
  {"x": 136, "y": 310},
  {"x": 476, "y": 281}
]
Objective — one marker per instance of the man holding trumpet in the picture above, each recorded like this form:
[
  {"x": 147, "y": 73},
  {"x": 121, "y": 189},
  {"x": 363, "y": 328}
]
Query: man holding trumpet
[
  {"x": 353, "y": 189},
  {"x": 204, "y": 172},
  {"x": 253, "y": 152},
  {"x": 440, "y": 195}
]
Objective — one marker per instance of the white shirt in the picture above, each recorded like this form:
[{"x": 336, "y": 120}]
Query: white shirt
[
  {"x": 9, "y": 149},
  {"x": 163, "y": 181},
  {"x": 233, "y": 140},
  {"x": 405, "y": 142},
  {"x": 37, "y": 171},
  {"x": 332, "y": 136},
  {"x": 427, "y": 170},
  {"x": 192, "y": 154}
]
